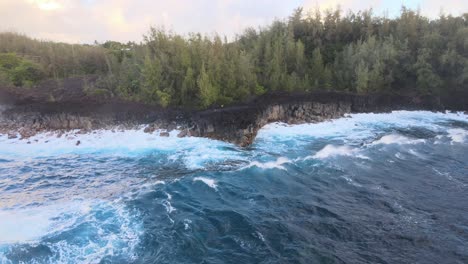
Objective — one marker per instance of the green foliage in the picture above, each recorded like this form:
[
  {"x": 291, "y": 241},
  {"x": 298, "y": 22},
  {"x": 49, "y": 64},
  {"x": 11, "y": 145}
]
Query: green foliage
[
  {"x": 208, "y": 93},
  {"x": 426, "y": 80},
  {"x": 317, "y": 69},
  {"x": 26, "y": 73},
  {"x": 356, "y": 52},
  {"x": 9, "y": 61},
  {"x": 19, "y": 71},
  {"x": 58, "y": 60}
]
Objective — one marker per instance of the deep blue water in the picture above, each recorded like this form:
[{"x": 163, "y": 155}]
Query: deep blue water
[{"x": 370, "y": 188}]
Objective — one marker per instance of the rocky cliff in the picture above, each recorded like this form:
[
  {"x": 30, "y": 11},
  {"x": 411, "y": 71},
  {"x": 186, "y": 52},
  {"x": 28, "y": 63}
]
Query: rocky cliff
[
  {"x": 237, "y": 124},
  {"x": 240, "y": 124}
]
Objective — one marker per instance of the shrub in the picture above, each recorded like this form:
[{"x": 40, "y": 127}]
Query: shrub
[
  {"x": 27, "y": 73},
  {"x": 9, "y": 61},
  {"x": 19, "y": 71}
]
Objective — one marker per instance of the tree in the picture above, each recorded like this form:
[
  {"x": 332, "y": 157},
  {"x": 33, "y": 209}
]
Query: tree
[
  {"x": 208, "y": 94},
  {"x": 317, "y": 69},
  {"x": 427, "y": 80},
  {"x": 188, "y": 88},
  {"x": 362, "y": 77}
]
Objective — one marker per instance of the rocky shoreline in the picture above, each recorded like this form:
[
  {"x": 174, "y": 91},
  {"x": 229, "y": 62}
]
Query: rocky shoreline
[{"x": 239, "y": 124}]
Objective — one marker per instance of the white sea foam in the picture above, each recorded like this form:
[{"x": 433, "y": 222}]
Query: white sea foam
[
  {"x": 358, "y": 126},
  {"x": 29, "y": 225},
  {"x": 397, "y": 139},
  {"x": 210, "y": 182},
  {"x": 351, "y": 181},
  {"x": 278, "y": 164},
  {"x": 457, "y": 135},
  {"x": 332, "y": 151},
  {"x": 399, "y": 156},
  {"x": 187, "y": 223},
  {"x": 196, "y": 153},
  {"x": 193, "y": 152},
  {"x": 168, "y": 206}
]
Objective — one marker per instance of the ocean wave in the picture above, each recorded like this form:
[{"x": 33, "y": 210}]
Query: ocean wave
[
  {"x": 396, "y": 139},
  {"x": 358, "y": 127},
  {"x": 332, "y": 151},
  {"x": 209, "y": 182},
  {"x": 194, "y": 152},
  {"x": 80, "y": 231},
  {"x": 457, "y": 135},
  {"x": 278, "y": 164}
]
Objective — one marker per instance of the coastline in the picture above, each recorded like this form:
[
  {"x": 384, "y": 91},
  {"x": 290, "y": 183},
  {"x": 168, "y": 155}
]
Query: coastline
[{"x": 25, "y": 116}]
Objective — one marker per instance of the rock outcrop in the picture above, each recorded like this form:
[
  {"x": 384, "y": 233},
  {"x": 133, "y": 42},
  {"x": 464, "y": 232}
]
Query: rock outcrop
[
  {"x": 240, "y": 124},
  {"x": 237, "y": 124}
]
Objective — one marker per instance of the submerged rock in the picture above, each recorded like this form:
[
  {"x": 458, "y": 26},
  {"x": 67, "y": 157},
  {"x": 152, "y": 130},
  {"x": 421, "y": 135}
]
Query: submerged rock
[
  {"x": 164, "y": 134},
  {"x": 184, "y": 133},
  {"x": 150, "y": 129}
]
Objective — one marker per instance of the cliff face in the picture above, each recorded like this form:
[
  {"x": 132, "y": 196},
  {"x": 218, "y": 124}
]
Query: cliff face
[
  {"x": 240, "y": 125},
  {"x": 237, "y": 124},
  {"x": 30, "y": 118}
]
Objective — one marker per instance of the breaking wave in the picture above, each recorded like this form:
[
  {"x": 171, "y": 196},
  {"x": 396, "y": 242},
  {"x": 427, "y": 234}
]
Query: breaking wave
[{"x": 130, "y": 197}]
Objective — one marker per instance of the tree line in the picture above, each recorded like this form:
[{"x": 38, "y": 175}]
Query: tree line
[{"x": 354, "y": 52}]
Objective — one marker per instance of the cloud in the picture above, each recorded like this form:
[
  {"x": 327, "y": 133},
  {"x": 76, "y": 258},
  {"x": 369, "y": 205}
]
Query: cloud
[
  {"x": 430, "y": 8},
  {"x": 46, "y": 5},
  {"x": 433, "y": 8},
  {"x": 83, "y": 21}
]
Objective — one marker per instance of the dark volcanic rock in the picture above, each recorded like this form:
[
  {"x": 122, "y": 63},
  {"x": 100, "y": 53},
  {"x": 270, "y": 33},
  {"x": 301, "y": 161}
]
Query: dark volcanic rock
[
  {"x": 184, "y": 133},
  {"x": 237, "y": 124},
  {"x": 240, "y": 124},
  {"x": 151, "y": 128},
  {"x": 164, "y": 134}
]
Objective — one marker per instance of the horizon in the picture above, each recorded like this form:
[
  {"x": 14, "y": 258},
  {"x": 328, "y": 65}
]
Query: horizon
[{"x": 60, "y": 20}]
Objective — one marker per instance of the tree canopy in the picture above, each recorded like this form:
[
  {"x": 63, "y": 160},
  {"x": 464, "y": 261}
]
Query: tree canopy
[{"x": 355, "y": 52}]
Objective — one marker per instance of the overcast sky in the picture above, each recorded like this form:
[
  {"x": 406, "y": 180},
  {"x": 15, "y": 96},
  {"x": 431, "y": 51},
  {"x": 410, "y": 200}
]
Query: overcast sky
[{"x": 83, "y": 21}]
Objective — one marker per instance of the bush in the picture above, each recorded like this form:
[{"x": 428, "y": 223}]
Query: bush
[
  {"x": 19, "y": 71},
  {"x": 4, "y": 80},
  {"x": 9, "y": 61},
  {"x": 27, "y": 73}
]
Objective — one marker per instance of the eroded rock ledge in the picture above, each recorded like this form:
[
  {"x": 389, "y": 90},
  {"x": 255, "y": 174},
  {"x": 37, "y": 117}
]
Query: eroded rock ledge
[
  {"x": 240, "y": 124},
  {"x": 236, "y": 124}
]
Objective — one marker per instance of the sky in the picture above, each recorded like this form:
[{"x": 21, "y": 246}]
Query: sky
[{"x": 84, "y": 21}]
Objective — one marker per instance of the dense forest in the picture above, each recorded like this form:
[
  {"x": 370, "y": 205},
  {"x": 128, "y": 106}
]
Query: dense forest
[{"x": 355, "y": 52}]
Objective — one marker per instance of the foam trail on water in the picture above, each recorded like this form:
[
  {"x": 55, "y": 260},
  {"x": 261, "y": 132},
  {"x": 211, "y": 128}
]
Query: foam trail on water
[
  {"x": 278, "y": 164},
  {"x": 332, "y": 151}
]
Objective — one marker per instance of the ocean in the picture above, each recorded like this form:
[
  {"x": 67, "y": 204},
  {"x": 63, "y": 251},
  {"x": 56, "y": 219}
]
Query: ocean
[{"x": 365, "y": 188}]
